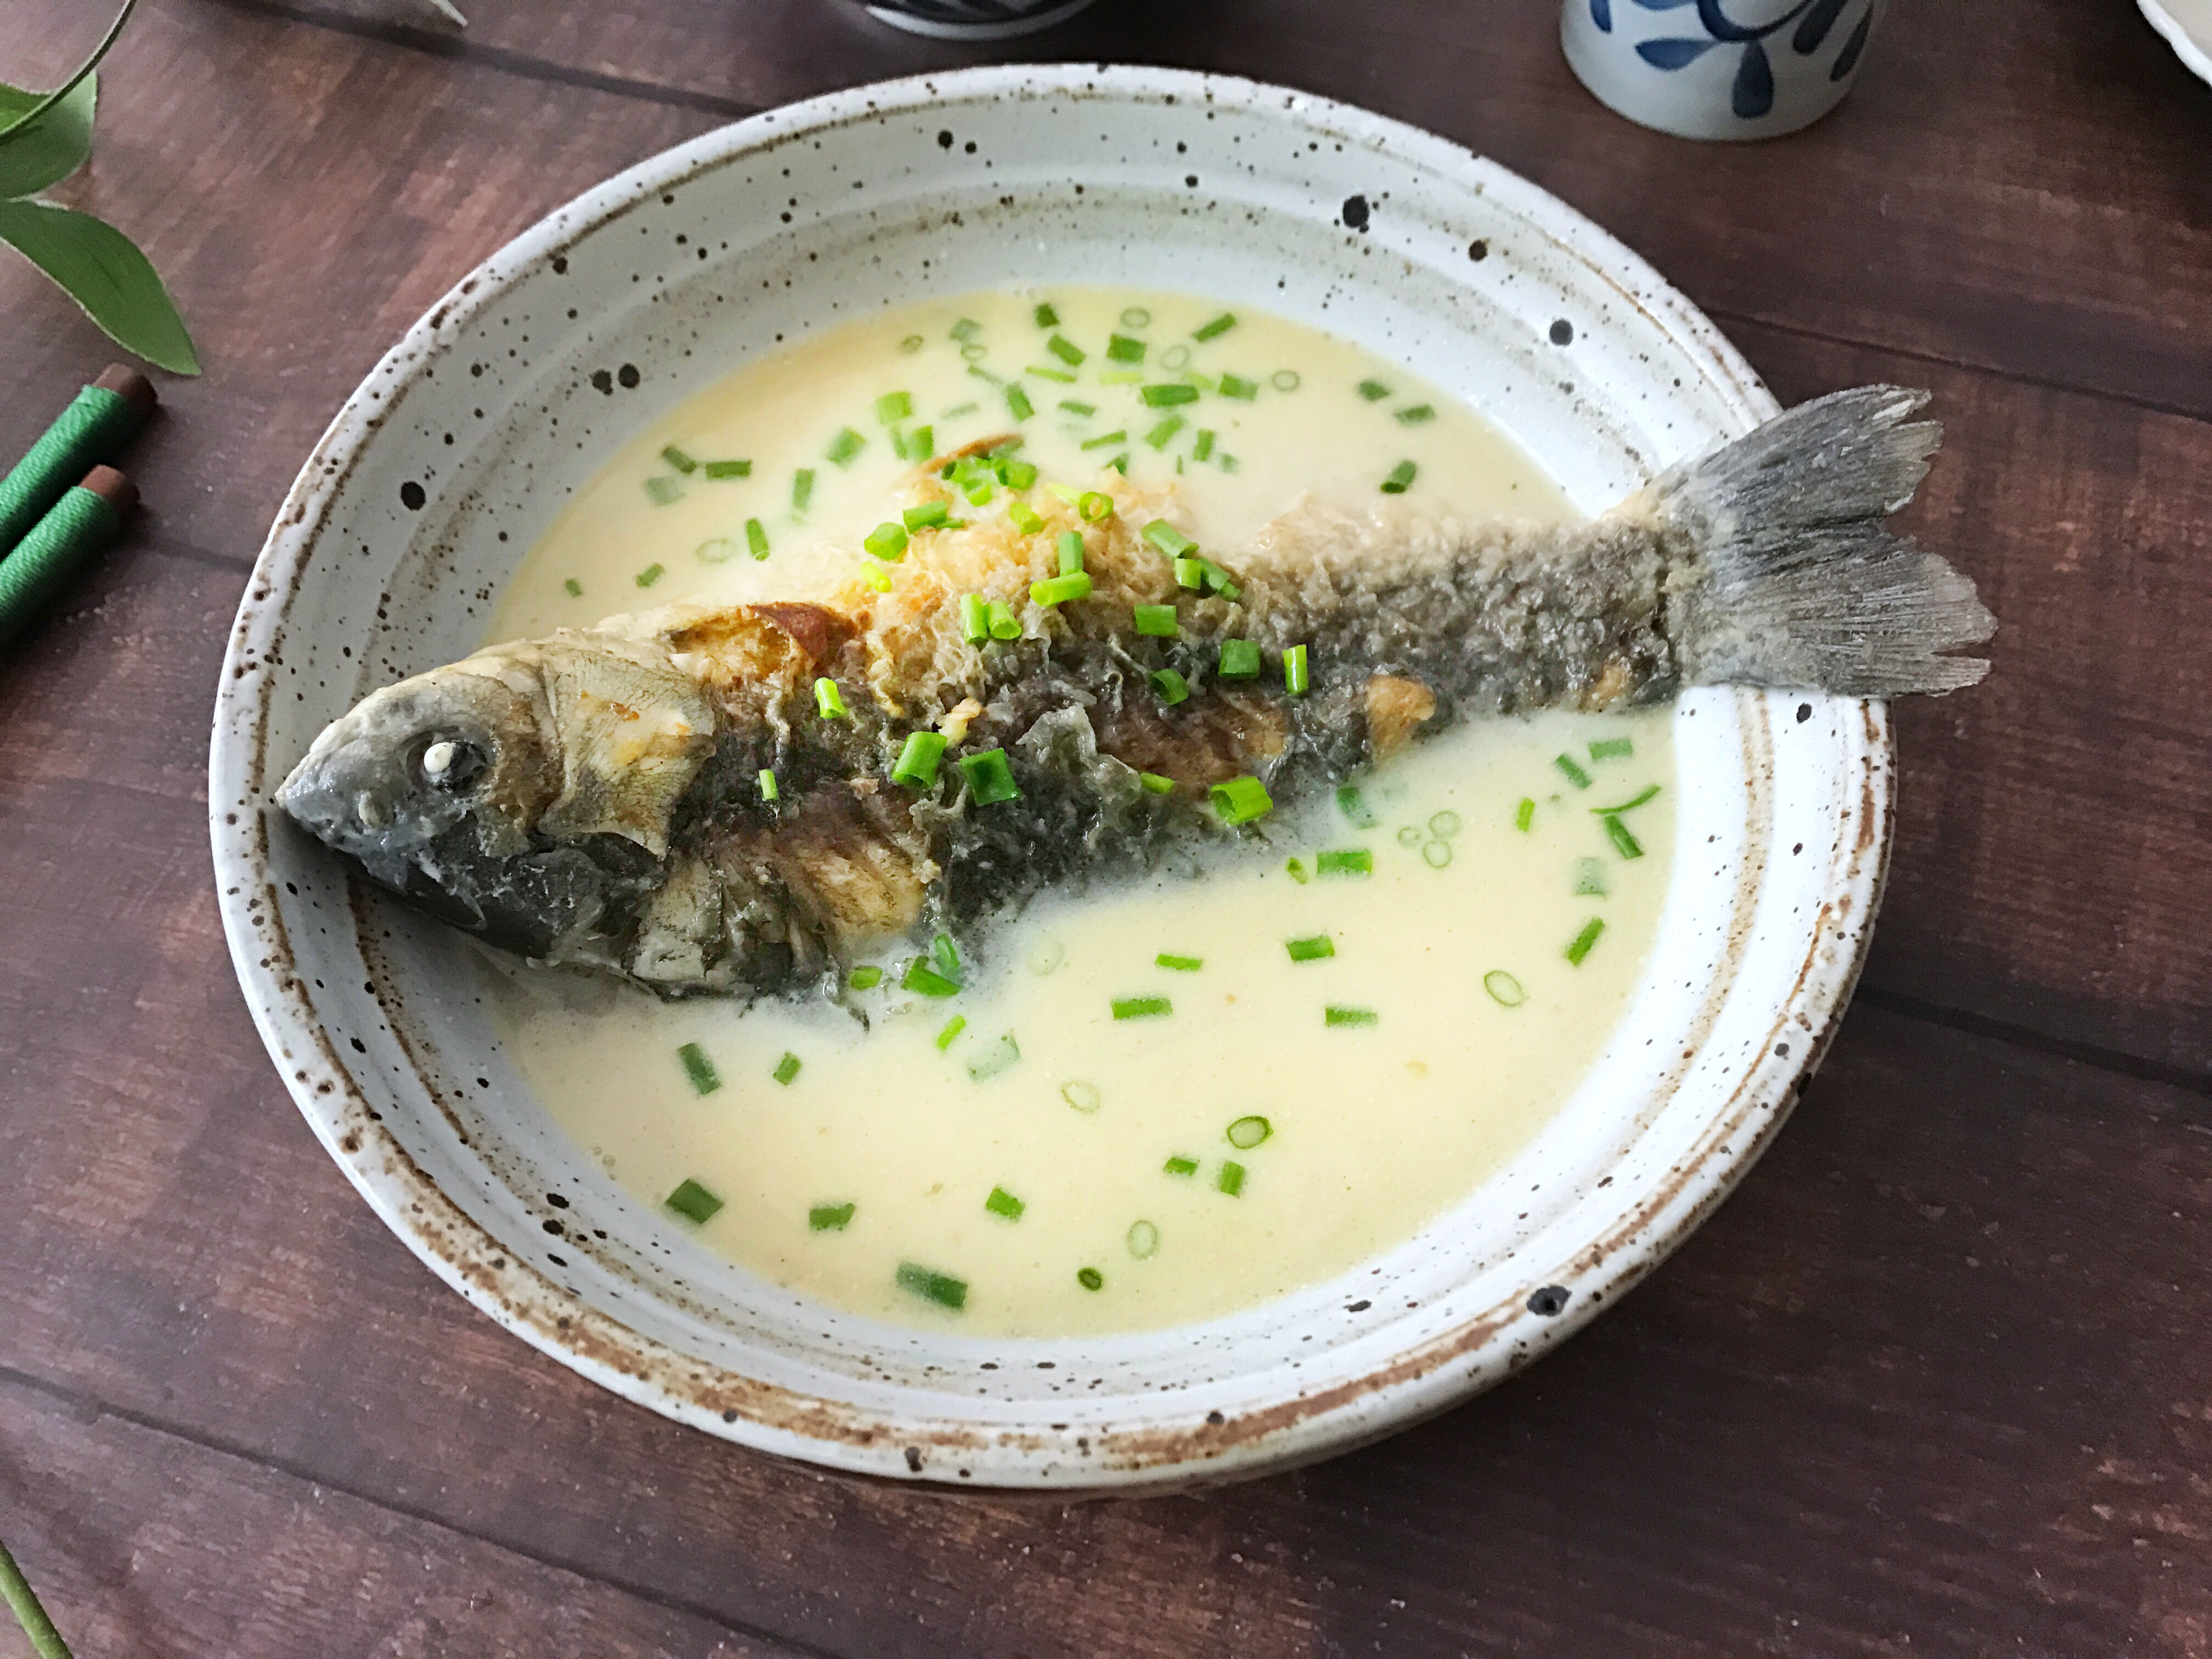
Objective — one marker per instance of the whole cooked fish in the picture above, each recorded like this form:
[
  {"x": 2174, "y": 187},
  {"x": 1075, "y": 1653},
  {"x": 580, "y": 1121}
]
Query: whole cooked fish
[{"x": 747, "y": 797}]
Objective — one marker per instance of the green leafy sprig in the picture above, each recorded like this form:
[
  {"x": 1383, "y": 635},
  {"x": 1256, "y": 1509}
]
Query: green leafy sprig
[{"x": 44, "y": 138}]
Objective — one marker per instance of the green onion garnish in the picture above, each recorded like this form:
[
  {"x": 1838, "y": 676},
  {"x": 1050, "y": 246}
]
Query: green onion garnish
[
  {"x": 1201, "y": 446},
  {"x": 886, "y": 541},
  {"x": 1155, "y": 621},
  {"x": 1066, "y": 349},
  {"x": 1416, "y": 415},
  {"x": 1019, "y": 404},
  {"x": 1169, "y": 540},
  {"x": 1574, "y": 774},
  {"x": 1581, "y": 945},
  {"x": 943, "y": 1289},
  {"x": 1436, "y": 854},
  {"x": 715, "y": 549},
  {"x": 1649, "y": 791},
  {"x": 576, "y": 588},
  {"x": 873, "y": 572},
  {"x": 1190, "y": 573},
  {"x": 1374, "y": 391},
  {"x": 1525, "y": 814},
  {"x": 1046, "y": 316},
  {"x": 928, "y": 516},
  {"x": 802, "y": 489},
  {"x": 1180, "y": 1165},
  {"x": 786, "y": 1069},
  {"x": 925, "y": 980},
  {"x": 990, "y": 779},
  {"x": 1285, "y": 379},
  {"x": 1240, "y": 800},
  {"x": 1294, "y": 670},
  {"x": 1240, "y": 659},
  {"x": 1086, "y": 411},
  {"x": 1354, "y": 806},
  {"x": 729, "y": 468},
  {"x": 916, "y": 767},
  {"x": 1142, "y": 1239},
  {"x": 1095, "y": 506},
  {"x": 693, "y": 1202},
  {"x": 757, "y": 538},
  {"x": 958, "y": 410},
  {"x": 844, "y": 446},
  {"x": 1166, "y": 394},
  {"x": 650, "y": 574},
  {"x": 1141, "y": 1007},
  {"x": 975, "y": 618},
  {"x": 1161, "y": 435},
  {"x": 1335, "y": 1015},
  {"x": 1247, "y": 1133},
  {"x": 1082, "y": 1096},
  {"x": 946, "y": 955},
  {"x": 1317, "y": 948},
  {"x": 912, "y": 344},
  {"x": 1445, "y": 822},
  {"x": 953, "y": 1027},
  {"x": 1217, "y": 579},
  {"x": 1002, "y": 1202},
  {"x": 994, "y": 1059},
  {"x": 966, "y": 329},
  {"x": 1180, "y": 964},
  {"x": 1005, "y": 625},
  {"x": 1090, "y": 1279},
  {"x": 865, "y": 978},
  {"x": 1170, "y": 687},
  {"x": 1123, "y": 350},
  {"x": 1624, "y": 843},
  {"x": 1105, "y": 441},
  {"x": 661, "y": 491},
  {"x": 1154, "y": 784},
  {"x": 1590, "y": 876},
  {"x": 1504, "y": 990},
  {"x": 677, "y": 459},
  {"x": 767, "y": 789},
  {"x": 1297, "y": 870},
  {"x": 830, "y": 1217},
  {"x": 700, "y": 1069},
  {"x": 1230, "y": 1179},
  {"x": 829, "y": 701},
  {"x": 1400, "y": 480},
  {"x": 1219, "y": 327},
  {"x": 1025, "y": 518},
  {"x": 893, "y": 407},
  {"x": 1059, "y": 589},
  {"x": 1070, "y": 548},
  {"x": 1345, "y": 861},
  {"x": 978, "y": 490},
  {"x": 1015, "y": 475},
  {"x": 1236, "y": 385},
  {"x": 1612, "y": 748},
  {"x": 1225, "y": 461}
]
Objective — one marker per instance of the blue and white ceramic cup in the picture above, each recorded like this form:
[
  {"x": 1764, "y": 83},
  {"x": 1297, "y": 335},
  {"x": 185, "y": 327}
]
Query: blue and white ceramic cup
[
  {"x": 973, "y": 20},
  {"x": 1719, "y": 69}
]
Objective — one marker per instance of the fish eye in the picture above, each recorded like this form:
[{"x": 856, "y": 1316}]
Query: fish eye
[{"x": 450, "y": 764}]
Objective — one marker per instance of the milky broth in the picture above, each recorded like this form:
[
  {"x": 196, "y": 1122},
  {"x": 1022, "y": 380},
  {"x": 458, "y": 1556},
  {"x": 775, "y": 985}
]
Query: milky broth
[{"x": 1071, "y": 1171}]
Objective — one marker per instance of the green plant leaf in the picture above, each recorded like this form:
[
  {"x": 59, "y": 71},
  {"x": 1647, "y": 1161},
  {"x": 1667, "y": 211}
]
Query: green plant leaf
[
  {"x": 48, "y": 146},
  {"x": 102, "y": 269},
  {"x": 44, "y": 101}
]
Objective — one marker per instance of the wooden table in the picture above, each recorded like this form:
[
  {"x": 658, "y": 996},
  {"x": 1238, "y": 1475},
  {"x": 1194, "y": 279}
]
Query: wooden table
[{"x": 1938, "y": 1380}]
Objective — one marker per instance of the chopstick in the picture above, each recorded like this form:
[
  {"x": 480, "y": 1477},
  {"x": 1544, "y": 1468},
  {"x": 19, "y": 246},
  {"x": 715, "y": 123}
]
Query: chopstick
[{"x": 61, "y": 503}]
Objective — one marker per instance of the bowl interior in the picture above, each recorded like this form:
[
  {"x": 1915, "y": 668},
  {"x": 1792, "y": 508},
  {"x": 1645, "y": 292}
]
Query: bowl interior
[{"x": 462, "y": 446}]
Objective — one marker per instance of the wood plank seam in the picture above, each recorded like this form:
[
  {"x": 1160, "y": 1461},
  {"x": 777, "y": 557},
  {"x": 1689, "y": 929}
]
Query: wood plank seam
[{"x": 2116, "y": 1062}]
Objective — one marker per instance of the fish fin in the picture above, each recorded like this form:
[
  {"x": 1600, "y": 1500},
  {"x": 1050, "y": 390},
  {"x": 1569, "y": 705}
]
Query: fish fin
[{"x": 1808, "y": 588}]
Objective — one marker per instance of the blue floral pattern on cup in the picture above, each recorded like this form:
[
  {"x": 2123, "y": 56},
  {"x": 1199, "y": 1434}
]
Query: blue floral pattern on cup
[{"x": 1752, "y": 94}]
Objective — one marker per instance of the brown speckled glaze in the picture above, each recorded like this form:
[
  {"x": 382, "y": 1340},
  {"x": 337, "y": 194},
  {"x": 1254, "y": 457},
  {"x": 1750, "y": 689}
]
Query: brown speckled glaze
[{"x": 459, "y": 448}]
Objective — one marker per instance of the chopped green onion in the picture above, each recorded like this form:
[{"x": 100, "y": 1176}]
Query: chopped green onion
[
  {"x": 757, "y": 538},
  {"x": 943, "y": 1289},
  {"x": 844, "y": 446},
  {"x": 1408, "y": 835},
  {"x": 1161, "y": 435},
  {"x": 953, "y": 1027},
  {"x": 829, "y": 701},
  {"x": 1218, "y": 579},
  {"x": 700, "y": 1069},
  {"x": 1095, "y": 506},
  {"x": 716, "y": 549},
  {"x": 1334, "y": 1015},
  {"x": 1590, "y": 878},
  {"x": 1240, "y": 659},
  {"x": 1235, "y": 385},
  {"x": 1169, "y": 540},
  {"x": 1136, "y": 317},
  {"x": 1581, "y": 945},
  {"x": 865, "y": 978},
  {"x": 1141, "y": 1007},
  {"x": 978, "y": 490},
  {"x": 1090, "y": 1279},
  {"x": 693, "y": 1202},
  {"x": 1346, "y": 861},
  {"x": 966, "y": 329},
  {"x": 1446, "y": 823},
  {"x": 1154, "y": 784},
  {"x": 1295, "y": 869},
  {"x": 1142, "y": 1239},
  {"x": 1416, "y": 415},
  {"x": 1002, "y": 1202},
  {"x": 677, "y": 459},
  {"x": 1025, "y": 518},
  {"x": 990, "y": 779},
  {"x": 802, "y": 489},
  {"x": 1066, "y": 349},
  {"x": 830, "y": 1217},
  {"x": 767, "y": 789},
  {"x": 975, "y": 618},
  {"x": 1285, "y": 379},
  {"x": 1294, "y": 670},
  {"x": 1574, "y": 774},
  {"x": 1082, "y": 1096},
  {"x": 786, "y": 1069},
  {"x": 576, "y": 588},
  {"x": 1155, "y": 621},
  {"x": 1166, "y": 394},
  {"x": 1170, "y": 687},
  {"x": 886, "y": 541},
  {"x": 1070, "y": 547},
  {"x": 1118, "y": 435},
  {"x": 1018, "y": 402},
  {"x": 1180, "y": 964},
  {"x": 1059, "y": 589},
  {"x": 918, "y": 758},
  {"x": 1400, "y": 480},
  {"x": 1524, "y": 815},
  {"x": 1202, "y": 447},
  {"x": 876, "y": 576},
  {"x": 957, "y": 411},
  {"x": 1230, "y": 1179},
  {"x": 663, "y": 490},
  {"x": 1247, "y": 1133},
  {"x": 1624, "y": 843},
  {"x": 994, "y": 1059},
  {"x": 1005, "y": 625},
  {"x": 1354, "y": 806},
  {"x": 1219, "y": 326},
  {"x": 1180, "y": 1165},
  {"x": 1044, "y": 373},
  {"x": 1504, "y": 990},
  {"x": 1046, "y": 316},
  {"x": 729, "y": 468},
  {"x": 946, "y": 955},
  {"x": 1240, "y": 800},
  {"x": 1649, "y": 791},
  {"x": 1436, "y": 854},
  {"x": 928, "y": 516},
  {"x": 1016, "y": 475},
  {"x": 912, "y": 344},
  {"x": 1320, "y": 947},
  {"x": 1373, "y": 391},
  {"x": 650, "y": 574},
  {"x": 1612, "y": 748},
  {"x": 925, "y": 980},
  {"x": 1123, "y": 350},
  {"x": 1086, "y": 411},
  {"x": 1225, "y": 461},
  {"x": 1190, "y": 573},
  {"x": 894, "y": 407}
]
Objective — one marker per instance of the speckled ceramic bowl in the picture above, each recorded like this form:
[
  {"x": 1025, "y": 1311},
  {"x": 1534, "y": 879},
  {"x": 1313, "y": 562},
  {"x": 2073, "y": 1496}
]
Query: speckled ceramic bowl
[{"x": 461, "y": 447}]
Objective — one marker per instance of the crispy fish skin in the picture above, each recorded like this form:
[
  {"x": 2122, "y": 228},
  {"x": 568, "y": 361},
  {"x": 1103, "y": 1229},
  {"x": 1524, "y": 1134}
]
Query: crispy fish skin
[{"x": 593, "y": 799}]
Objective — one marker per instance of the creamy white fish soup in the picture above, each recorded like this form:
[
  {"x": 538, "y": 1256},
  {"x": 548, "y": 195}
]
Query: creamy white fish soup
[{"x": 1178, "y": 1096}]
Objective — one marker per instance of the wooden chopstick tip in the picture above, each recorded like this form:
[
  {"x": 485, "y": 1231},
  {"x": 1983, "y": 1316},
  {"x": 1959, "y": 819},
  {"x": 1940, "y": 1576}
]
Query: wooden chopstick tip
[
  {"x": 129, "y": 385},
  {"x": 111, "y": 486}
]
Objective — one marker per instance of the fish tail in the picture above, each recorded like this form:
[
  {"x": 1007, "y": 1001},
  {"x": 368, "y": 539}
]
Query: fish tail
[{"x": 1806, "y": 587}]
